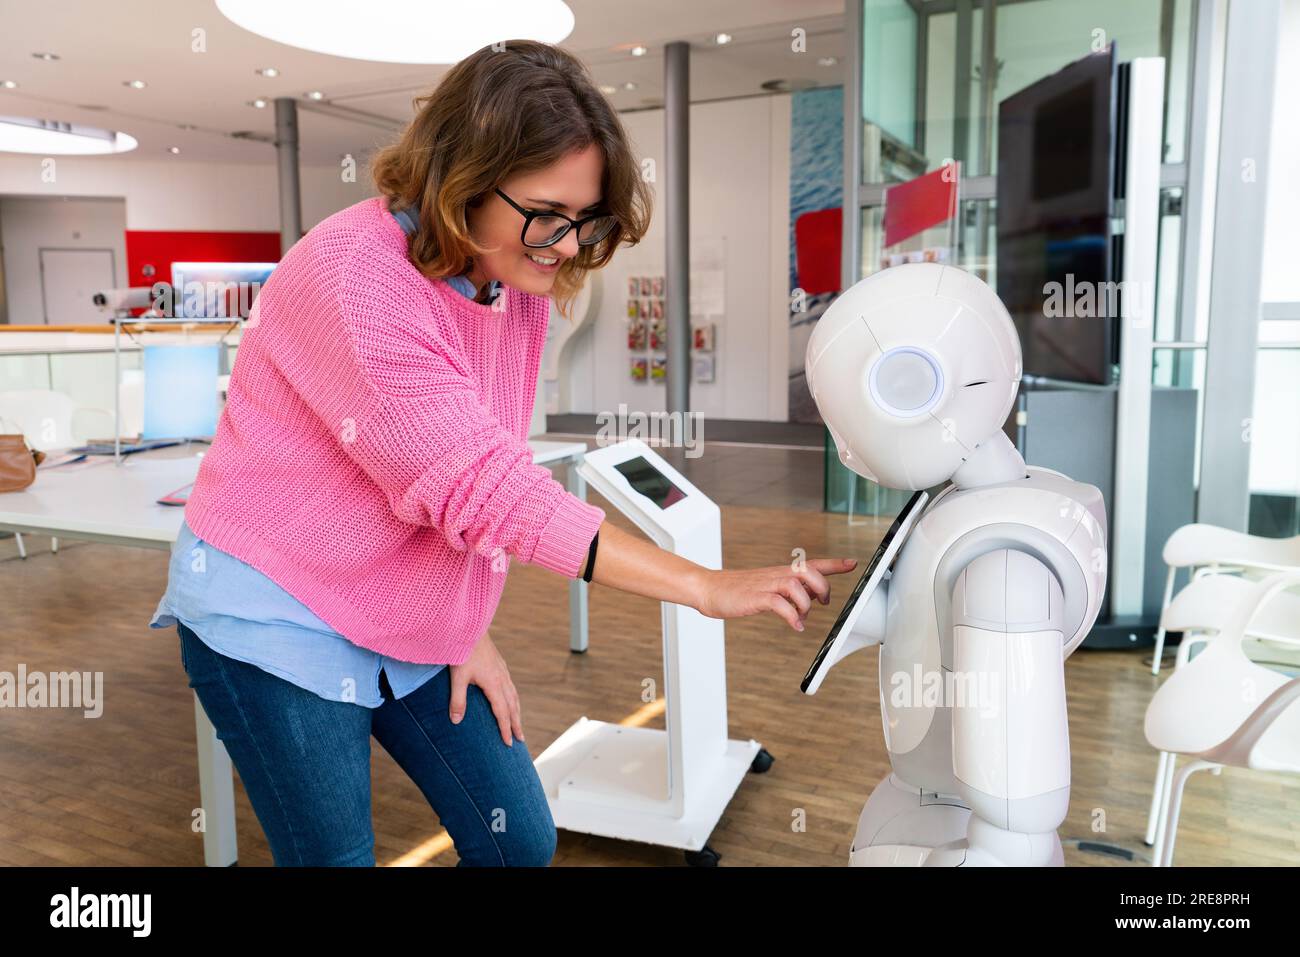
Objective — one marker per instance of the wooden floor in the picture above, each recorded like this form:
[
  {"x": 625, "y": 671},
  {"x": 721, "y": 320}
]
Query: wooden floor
[{"x": 121, "y": 789}]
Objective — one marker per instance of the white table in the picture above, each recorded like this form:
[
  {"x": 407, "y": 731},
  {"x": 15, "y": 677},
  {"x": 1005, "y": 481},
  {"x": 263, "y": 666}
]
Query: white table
[{"x": 98, "y": 501}]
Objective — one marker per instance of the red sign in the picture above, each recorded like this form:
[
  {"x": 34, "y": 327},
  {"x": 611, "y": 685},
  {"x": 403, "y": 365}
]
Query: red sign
[
  {"x": 817, "y": 243},
  {"x": 918, "y": 204}
]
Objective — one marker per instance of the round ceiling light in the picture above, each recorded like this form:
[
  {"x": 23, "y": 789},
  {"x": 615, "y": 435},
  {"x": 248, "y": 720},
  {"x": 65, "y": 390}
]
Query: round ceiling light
[
  {"x": 21, "y": 134},
  {"x": 400, "y": 31}
]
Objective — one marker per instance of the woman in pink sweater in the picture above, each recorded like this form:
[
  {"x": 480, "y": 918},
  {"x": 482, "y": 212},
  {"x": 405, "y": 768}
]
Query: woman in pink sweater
[{"x": 347, "y": 538}]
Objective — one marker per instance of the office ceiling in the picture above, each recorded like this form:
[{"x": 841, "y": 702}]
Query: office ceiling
[{"x": 198, "y": 101}]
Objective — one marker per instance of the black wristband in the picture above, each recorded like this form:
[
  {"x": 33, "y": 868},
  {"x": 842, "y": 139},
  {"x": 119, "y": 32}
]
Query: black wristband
[{"x": 591, "y": 558}]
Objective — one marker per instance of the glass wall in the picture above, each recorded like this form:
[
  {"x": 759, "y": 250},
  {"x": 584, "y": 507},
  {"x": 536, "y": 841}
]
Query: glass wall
[
  {"x": 933, "y": 75},
  {"x": 1274, "y": 432},
  {"x": 889, "y": 68},
  {"x": 1274, "y": 428},
  {"x": 946, "y": 66}
]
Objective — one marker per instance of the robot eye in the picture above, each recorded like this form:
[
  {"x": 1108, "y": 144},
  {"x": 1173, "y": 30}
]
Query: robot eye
[{"x": 906, "y": 382}]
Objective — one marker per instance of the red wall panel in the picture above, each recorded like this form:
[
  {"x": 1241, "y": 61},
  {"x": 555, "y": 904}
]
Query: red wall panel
[{"x": 162, "y": 248}]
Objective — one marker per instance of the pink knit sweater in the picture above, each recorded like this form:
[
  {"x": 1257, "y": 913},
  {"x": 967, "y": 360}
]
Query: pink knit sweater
[{"x": 372, "y": 456}]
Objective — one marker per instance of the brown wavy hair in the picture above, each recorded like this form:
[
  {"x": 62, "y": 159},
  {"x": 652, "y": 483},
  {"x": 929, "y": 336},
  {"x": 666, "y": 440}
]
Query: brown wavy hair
[{"x": 509, "y": 108}]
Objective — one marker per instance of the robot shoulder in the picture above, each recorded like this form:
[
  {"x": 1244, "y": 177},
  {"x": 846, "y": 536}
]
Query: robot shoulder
[
  {"x": 1058, "y": 536},
  {"x": 1008, "y": 590}
]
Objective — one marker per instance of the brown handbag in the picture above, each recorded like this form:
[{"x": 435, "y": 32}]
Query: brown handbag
[{"x": 17, "y": 463}]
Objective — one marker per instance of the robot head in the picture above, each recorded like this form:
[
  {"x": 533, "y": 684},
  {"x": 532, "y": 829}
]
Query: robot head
[{"x": 912, "y": 368}]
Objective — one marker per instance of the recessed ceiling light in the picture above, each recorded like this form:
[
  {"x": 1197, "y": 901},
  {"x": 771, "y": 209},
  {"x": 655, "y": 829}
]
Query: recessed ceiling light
[
  {"x": 401, "y": 31},
  {"x": 314, "y": 95},
  {"x": 607, "y": 89},
  {"x": 135, "y": 84},
  {"x": 722, "y": 39},
  {"x": 46, "y": 56},
  {"x": 173, "y": 150},
  {"x": 267, "y": 71},
  {"x": 259, "y": 103},
  {"x": 21, "y": 134},
  {"x": 629, "y": 85},
  {"x": 638, "y": 50},
  {"x": 827, "y": 60},
  {"x": 9, "y": 84}
]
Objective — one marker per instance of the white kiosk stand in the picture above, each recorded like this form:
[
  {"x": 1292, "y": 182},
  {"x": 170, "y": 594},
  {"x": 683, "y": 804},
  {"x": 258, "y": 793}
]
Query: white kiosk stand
[{"x": 642, "y": 784}]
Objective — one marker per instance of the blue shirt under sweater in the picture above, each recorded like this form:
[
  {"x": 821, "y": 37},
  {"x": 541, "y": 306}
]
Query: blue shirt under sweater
[{"x": 241, "y": 613}]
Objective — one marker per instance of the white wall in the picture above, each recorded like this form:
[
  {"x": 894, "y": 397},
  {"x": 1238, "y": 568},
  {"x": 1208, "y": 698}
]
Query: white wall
[
  {"x": 740, "y": 211},
  {"x": 740, "y": 174},
  {"x": 231, "y": 197},
  {"x": 29, "y": 223}
]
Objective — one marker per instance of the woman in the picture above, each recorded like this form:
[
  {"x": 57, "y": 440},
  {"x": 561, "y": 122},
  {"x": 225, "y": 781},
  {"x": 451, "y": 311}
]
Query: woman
[{"x": 346, "y": 540}]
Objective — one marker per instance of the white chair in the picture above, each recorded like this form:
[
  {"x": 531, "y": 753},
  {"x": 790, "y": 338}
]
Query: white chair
[
  {"x": 1222, "y": 709},
  {"x": 1210, "y": 550},
  {"x": 1200, "y": 611},
  {"x": 49, "y": 420}
]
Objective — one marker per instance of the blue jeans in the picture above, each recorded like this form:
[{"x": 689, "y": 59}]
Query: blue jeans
[{"x": 305, "y": 764}]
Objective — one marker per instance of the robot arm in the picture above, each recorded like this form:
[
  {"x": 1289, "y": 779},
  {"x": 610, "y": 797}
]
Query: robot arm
[{"x": 1010, "y": 736}]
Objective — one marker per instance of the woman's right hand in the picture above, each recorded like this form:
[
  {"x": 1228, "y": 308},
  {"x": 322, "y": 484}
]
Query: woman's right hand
[
  {"x": 486, "y": 668},
  {"x": 786, "y": 591},
  {"x": 632, "y": 564}
]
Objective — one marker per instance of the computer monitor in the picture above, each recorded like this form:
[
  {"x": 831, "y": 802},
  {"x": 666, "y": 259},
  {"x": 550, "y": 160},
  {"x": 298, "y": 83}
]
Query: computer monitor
[
  {"x": 180, "y": 391},
  {"x": 210, "y": 290},
  {"x": 650, "y": 482}
]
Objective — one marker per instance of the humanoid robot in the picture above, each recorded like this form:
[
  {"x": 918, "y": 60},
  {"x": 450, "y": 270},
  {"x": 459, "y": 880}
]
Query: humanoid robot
[{"x": 977, "y": 596}]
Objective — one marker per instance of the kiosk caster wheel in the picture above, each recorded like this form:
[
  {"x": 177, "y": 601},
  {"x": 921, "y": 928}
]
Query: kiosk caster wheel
[
  {"x": 704, "y": 857},
  {"x": 762, "y": 762}
]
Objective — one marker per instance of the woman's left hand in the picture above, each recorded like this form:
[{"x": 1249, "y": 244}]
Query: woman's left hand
[{"x": 486, "y": 668}]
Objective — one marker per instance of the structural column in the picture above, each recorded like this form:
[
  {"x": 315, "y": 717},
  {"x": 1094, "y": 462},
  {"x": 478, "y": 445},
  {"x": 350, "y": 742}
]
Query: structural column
[
  {"x": 1236, "y": 277},
  {"x": 676, "y": 203},
  {"x": 286, "y": 160}
]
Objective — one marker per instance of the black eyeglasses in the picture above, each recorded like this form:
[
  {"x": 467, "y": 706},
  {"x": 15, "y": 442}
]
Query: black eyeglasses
[{"x": 544, "y": 228}]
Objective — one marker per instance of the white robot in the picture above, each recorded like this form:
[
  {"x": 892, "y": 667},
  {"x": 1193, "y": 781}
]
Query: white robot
[{"x": 976, "y": 597}]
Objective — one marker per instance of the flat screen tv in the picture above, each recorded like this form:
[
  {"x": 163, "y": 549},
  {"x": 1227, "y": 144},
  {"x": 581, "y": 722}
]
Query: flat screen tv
[{"x": 1055, "y": 261}]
